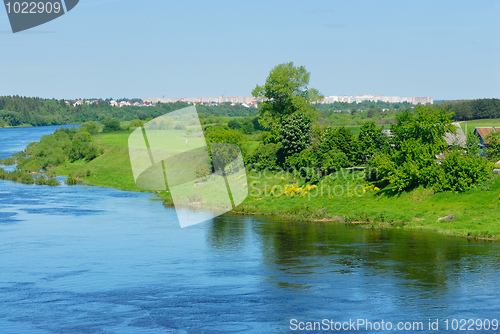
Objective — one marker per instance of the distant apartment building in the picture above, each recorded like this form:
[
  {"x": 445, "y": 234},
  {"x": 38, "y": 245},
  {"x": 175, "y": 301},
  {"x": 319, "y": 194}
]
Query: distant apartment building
[
  {"x": 342, "y": 98},
  {"x": 252, "y": 102},
  {"x": 247, "y": 101},
  {"x": 376, "y": 98}
]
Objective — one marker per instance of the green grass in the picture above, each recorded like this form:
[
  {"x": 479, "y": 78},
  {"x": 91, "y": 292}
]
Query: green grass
[
  {"x": 112, "y": 169},
  {"x": 476, "y": 212},
  {"x": 480, "y": 123}
]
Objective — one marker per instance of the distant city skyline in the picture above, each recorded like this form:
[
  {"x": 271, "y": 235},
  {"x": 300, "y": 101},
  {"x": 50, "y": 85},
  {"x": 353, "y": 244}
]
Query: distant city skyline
[
  {"x": 104, "y": 48},
  {"x": 250, "y": 100}
]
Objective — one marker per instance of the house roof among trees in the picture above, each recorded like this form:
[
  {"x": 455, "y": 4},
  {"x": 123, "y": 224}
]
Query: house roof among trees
[
  {"x": 458, "y": 138},
  {"x": 483, "y": 132}
]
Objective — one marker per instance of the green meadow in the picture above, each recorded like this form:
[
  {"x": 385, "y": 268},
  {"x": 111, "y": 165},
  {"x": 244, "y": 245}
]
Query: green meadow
[
  {"x": 480, "y": 123},
  {"x": 341, "y": 197}
]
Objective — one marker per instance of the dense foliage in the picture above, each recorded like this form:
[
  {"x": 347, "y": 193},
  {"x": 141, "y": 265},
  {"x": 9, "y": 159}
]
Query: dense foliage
[
  {"x": 285, "y": 92},
  {"x": 493, "y": 150},
  {"x": 17, "y": 111},
  {"x": 473, "y": 109},
  {"x": 295, "y": 133},
  {"x": 411, "y": 162},
  {"x": 52, "y": 150}
]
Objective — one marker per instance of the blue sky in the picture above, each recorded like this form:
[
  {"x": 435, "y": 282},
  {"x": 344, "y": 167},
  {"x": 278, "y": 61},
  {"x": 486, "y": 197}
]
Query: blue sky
[{"x": 154, "y": 48}]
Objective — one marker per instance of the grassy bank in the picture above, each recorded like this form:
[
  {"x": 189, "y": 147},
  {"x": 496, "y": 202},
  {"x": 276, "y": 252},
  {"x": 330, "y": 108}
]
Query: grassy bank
[
  {"x": 347, "y": 198},
  {"x": 112, "y": 169},
  {"x": 344, "y": 196}
]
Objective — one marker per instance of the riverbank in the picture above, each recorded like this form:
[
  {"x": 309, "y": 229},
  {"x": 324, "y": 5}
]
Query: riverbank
[{"x": 342, "y": 197}]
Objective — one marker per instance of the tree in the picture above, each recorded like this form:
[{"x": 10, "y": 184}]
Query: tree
[
  {"x": 493, "y": 150},
  {"x": 82, "y": 147},
  {"x": 111, "y": 124},
  {"x": 285, "y": 92},
  {"x": 91, "y": 127},
  {"x": 136, "y": 123},
  {"x": 427, "y": 123},
  {"x": 369, "y": 141},
  {"x": 340, "y": 138},
  {"x": 295, "y": 134},
  {"x": 234, "y": 124}
]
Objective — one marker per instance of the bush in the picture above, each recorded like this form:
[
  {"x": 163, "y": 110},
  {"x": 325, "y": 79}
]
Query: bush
[
  {"x": 460, "y": 172},
  {"x": 334, "y": 160},
  {"x": 234, "y": 124},
  {"x": 493, "y": 150},
  {"x": 52, "y": 182},
  {"x": 82, "y": 147},
  {"x": 111, "y": 124},
  {"x": 71, "y": 181},
  {"x": 307, "y": 158},
  {"x": 8, "y": 161},
  {"x": 266, "y": 156},
  {"x": 203, "y": 171},
  {"x": 40, "y": 180},
  {"x": 306, "y": 162},
  {"x": 91, "y": 127},
  {"x": 135, "y": 123},
  {"x": 341, "y": 139},
  {"x": 179, "y": 126}
]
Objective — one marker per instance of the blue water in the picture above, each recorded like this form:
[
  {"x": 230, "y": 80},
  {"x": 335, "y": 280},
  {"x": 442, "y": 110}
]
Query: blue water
[
  {"x": 13, "y": 140},
  {"x": 93, "y": 260}
]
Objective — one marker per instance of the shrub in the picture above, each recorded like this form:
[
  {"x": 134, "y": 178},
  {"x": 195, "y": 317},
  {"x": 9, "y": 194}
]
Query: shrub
[
  {"x": 493, "y": 150},
  {"x": 305, "y": 159},
  {"x": 40, "y": 180},
  {"x": 460, "y": 172},
  {"x": 341, "y": 139},
  {"x": 334, "y": 159},
  {"x": 91, "y": 127},
  {"x": 52, "y": 182},
  {"x": 266, "y": 156},
  {"x": 82, "y": 147},
  {"x": 111, "y": 124},
  {"x": 135, "y": 123},
  {"x": 203, "y": 171},
  {"x": 8, "y": 161},
  {"x": 71, "y": 181}
]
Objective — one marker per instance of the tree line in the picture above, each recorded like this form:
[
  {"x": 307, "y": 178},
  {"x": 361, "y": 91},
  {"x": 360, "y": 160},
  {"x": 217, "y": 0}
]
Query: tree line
[
  {"x": 466, "y": 110},
  {"x": 19, "y": 111}
]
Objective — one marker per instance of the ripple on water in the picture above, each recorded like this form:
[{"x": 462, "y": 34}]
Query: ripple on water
[
  {"x": 7, "y": 218},
  {"x": 63, "y": 211}
]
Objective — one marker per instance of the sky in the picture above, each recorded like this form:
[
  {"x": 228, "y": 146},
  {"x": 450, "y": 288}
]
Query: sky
[{"x": 153, "y": 48}]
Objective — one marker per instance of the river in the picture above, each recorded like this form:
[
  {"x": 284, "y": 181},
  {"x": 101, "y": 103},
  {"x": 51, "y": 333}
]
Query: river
[{"x": 93, "y": 260}]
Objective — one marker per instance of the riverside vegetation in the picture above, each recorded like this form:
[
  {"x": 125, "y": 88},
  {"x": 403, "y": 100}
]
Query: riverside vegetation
[{"x": 301, "y": 169}]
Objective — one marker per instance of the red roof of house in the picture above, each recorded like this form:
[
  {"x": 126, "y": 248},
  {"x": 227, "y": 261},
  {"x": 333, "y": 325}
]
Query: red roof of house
[{"x": 484, "y": 132}]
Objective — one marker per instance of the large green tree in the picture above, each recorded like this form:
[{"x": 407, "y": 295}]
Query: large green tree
[
  {"x": 285, "y": 92},
  {"x": 426, "y": 123}
]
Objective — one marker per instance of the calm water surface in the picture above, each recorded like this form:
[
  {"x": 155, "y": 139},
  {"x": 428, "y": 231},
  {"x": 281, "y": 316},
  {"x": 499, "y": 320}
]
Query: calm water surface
[{"x": 93, "y": 260}]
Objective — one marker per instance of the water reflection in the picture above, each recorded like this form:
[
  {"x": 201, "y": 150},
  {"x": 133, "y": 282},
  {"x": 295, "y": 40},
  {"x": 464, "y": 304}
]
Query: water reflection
[{"x": 342, "y": 265}]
